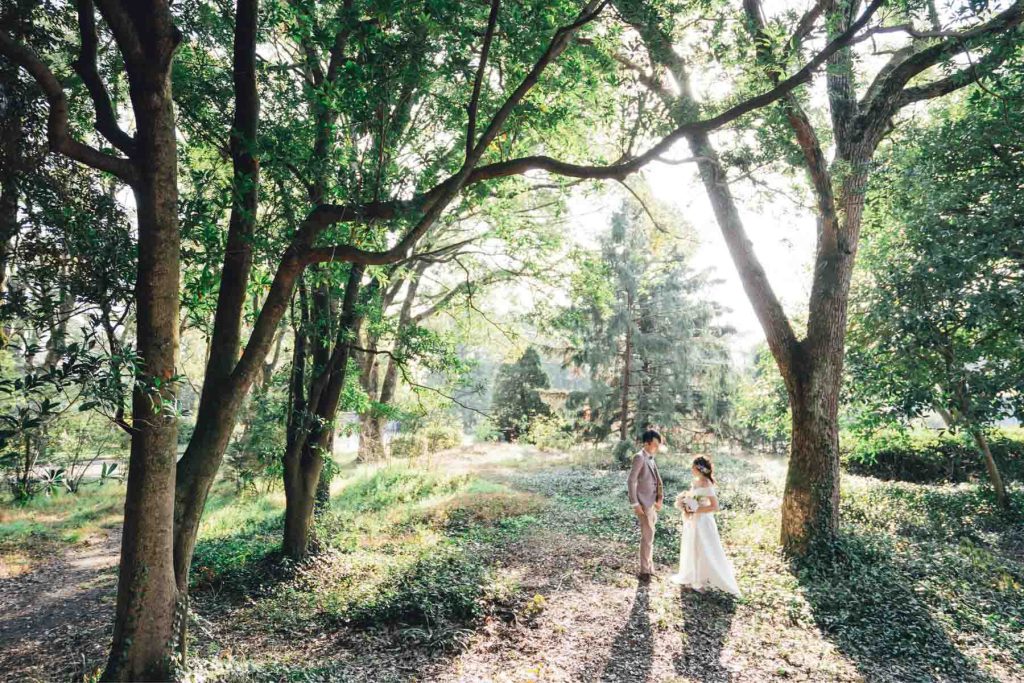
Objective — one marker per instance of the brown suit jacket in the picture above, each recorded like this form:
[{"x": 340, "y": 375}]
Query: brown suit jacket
[{"x": 644, "y": 483}]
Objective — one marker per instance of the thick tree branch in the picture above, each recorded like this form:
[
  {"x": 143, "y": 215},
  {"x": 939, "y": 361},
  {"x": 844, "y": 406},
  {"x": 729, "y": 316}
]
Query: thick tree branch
[
  {"x": 474, "y": 102},
  {"x": 57, "y": 124},
  {"x": 885, "y": 94},
  {"x": 85, "y": 67},
  {"x": 119, "y": 18},
  {"x": 954, "y": 81},
  {"x": 325, "y": 215}
]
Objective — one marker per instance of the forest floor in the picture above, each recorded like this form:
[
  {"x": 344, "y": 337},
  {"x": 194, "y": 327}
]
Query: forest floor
[{"x": 499, "y": 563}]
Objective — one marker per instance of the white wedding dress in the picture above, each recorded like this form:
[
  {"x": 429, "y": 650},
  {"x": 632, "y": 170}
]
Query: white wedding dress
[{"x": 702, "y": 560}]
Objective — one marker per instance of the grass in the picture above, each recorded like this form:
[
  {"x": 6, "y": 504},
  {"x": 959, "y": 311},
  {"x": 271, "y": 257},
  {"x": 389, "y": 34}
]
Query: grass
[
  {"x": 417, "y": 566},
  {"x": 32, "y": 530},
  {"x": 400, "y": 546}
]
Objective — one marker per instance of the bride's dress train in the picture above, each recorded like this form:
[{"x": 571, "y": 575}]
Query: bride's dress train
[{"x": 702, "y": 560}]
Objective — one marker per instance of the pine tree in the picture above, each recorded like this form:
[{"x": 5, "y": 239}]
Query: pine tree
[
  {"x": 640, "y": 324},
  {"x": 516, "y": 400}
]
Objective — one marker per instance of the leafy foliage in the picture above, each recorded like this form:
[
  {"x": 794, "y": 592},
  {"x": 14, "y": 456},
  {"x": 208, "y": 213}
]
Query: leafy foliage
[
  {"x": 412, "y": 445},
  {"x": 549, "y": 433},
  {"x": 929, "y": 457},
  {"x": 761, "y": 413},
  {"x": 936, "y": 323}
]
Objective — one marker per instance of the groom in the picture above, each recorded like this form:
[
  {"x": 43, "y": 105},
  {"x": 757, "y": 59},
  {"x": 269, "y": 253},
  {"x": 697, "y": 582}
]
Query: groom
[{"x": 646, "y": 495}]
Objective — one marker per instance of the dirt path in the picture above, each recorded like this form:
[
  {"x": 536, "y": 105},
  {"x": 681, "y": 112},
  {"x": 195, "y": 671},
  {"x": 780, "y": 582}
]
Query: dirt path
[{"x": 60, "y": 613}]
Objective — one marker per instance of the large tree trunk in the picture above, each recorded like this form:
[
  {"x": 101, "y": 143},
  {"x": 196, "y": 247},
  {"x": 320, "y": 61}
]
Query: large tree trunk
[
  {"x": 147, "y": 596},
  {"x": 224, "y": 384},
  {"x": 810, "y": 504}
]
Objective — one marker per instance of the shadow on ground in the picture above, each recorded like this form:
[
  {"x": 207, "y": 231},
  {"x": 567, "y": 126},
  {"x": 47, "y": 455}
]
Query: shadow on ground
[
  {"x": 55, "y": 621},
  {"x": 632, "y": 653},
  {"x": 867, "y": 605},
  {"x": 707, "y": 617}
]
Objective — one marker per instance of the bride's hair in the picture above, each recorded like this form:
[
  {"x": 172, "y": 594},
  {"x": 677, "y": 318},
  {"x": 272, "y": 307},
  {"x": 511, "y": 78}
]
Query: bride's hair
[{"x": 705, "y": 467}]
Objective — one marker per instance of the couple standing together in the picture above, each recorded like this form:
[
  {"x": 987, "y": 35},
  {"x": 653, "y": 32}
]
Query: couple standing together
[{"x": 702, "y": 561}]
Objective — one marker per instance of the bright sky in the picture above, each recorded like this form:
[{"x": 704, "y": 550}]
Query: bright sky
[{"x": 782, "y": 233}]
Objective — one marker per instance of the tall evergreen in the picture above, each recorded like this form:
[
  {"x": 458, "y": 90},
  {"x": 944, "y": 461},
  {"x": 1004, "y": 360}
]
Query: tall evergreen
[
  {"x": 640, "y": 324},
  {"x": 516, "y": 400}
]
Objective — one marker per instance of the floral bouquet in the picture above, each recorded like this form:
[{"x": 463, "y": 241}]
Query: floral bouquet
[{"x": 686, "y": 502}]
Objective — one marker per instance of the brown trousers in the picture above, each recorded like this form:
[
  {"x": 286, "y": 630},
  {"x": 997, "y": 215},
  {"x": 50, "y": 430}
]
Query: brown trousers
[{"x": 647, "y": 522}]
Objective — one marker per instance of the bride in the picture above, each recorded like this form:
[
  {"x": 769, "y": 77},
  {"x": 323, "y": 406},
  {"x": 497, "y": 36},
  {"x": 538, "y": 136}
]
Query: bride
[{"x": 702, "y": 561}]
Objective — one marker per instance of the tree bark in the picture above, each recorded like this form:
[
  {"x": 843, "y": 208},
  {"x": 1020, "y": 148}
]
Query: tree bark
[
  {"x": 993, "y": 470},
  {"x": 382, "y": 390},
  {"x": 810, "y": 504},
  {"x": 224, "y": 389},
  {"x": 627, "y": 369},
  {"x": 148, "y": 606}
]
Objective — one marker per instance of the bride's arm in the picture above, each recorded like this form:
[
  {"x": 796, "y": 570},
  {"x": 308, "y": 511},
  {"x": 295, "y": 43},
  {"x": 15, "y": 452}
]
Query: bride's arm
[{"x": 712, "y": 505}]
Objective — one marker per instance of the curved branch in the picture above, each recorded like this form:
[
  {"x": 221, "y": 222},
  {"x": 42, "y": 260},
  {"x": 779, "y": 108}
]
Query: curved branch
[
  {"x": 57, "y": 123},
  {"x": 956, "y": 80},
  {"x": 886, "y": 94},
  {"x": 85, "y": 67}
]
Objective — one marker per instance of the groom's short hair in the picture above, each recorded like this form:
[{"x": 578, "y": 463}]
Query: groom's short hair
[{"x": 650, "y": 435}]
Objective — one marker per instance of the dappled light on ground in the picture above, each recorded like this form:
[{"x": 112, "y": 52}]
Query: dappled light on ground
[{"x": 501, "y": 563}]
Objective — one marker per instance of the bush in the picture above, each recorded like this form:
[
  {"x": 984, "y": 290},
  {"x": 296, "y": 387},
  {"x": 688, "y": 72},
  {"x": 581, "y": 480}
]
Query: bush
[
  {"x": 623, "y": 453},
  {"x": 548, "y": 433},
  {"x": 927, "y": 457},
  {"x": 412, "y": 445},
  {"x": 441, "y": 587},
  {"x": 486, "y": 431},
  {"x": 441, "y": 438}
]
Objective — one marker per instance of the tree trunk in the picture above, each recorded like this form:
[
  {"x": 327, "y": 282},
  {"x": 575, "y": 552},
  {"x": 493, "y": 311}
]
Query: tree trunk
[
  {"x": 993, "y": 470},
  {"x": 8, "y": 217},
  {"x": 224, "y": 386},
  {"x": 148, "y": 606},
  {"x": 981, "y": 441},
  {"x": 372, "y": 425},
  {"x": 323, "y": 485},
  {"x": 11, "y": 149},
  {"x": 303, "y": 460},
  {"x": 301, "y": 477},
  {"x": 371, "y": 438},
  {"x": 810, "y": 504},
  {"x": 627, "y": 368}
]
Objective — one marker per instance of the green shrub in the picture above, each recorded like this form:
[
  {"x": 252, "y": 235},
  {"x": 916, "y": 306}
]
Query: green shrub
[
  {"x": 440, "y": 438},
  {"x": 924, "y": 456},
  {"x": 485, "y": 430},
  {"x": 623, "y": 453},
  {"x": 440, "y": 587},
  {"x": 548, "y": 433},
  {"x": 409, "y": 445}
]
